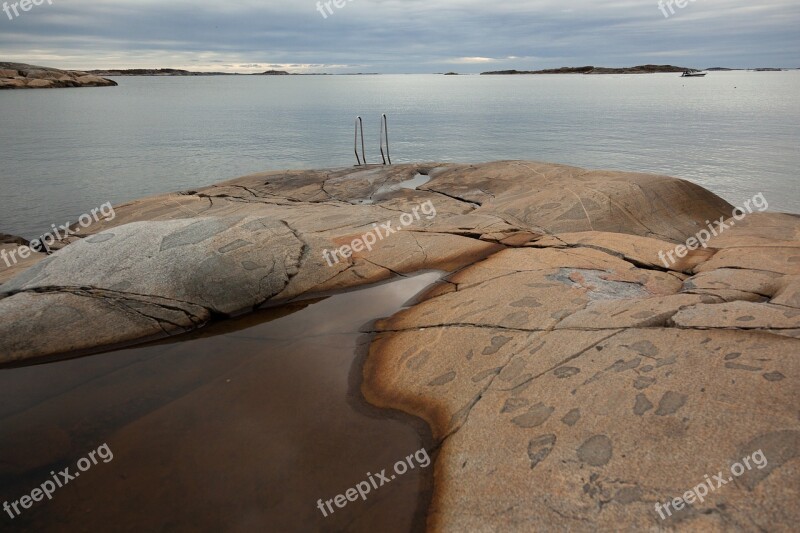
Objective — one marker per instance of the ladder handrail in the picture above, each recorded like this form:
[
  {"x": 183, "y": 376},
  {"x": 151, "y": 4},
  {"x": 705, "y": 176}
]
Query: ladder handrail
[
  {"x": 359, "y": 122},
  {"x": 385, "y": 132}
]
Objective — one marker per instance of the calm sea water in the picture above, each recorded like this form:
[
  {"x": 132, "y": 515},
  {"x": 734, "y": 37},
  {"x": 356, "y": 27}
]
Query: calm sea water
[{"x": 63, "y": 152}]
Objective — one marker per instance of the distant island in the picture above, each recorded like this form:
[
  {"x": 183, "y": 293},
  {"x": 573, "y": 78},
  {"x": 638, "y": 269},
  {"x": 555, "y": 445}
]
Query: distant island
[
  {"x": 154, "y": 72},
  {"x": 641, "y": 69}
]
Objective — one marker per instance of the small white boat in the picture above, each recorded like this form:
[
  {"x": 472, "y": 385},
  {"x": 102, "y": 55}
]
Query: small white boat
[{"x": 693, "y": 74}]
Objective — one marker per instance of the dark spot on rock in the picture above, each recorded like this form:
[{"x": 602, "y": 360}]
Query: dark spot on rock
[
  {"x": 747, "y": 318},
  {"x": 527, "y": 302},
  {"x": 235, "y": 245},
  {"x": 598, "y": 348},
  {"x": 645, "y": 348},
  {"x": 737, "y": 366},
  {"x": 416, "y": 362},
  {"x": 536, "y": 348},
  {"x": 596, "y": 451},
  {"x": 536, "y": 416},
  {"x": 774, "y": 376},
  {"x": 514, "y": 404},
  {"x": 622, "y": 365},
  {"x": 480, "y": 376},
  {"x": 732, "y": 356},
  {"x": 560, "y": 315},
  {"x": 669, "y": 361},
  {"x": 647, "y": 368},
  {"x": 642, "y": 382},
  {"x": 670, "y": 402},
  {"x": 497, "y": 343},
  {"x": 566, "y": 372},
  {"x": 519, "y": 318},
  {"x": 642, "y": 405},
  {"x": 513, "y": 369},
  {"x": 627, "y": 495},
  {"x": 539, "y": 448},
  {"x": 443, "y": 379},
  {"x": 470, "y": 354},
  {"x": 572, "y": 417},
  {"x": 249, "y": 265}
]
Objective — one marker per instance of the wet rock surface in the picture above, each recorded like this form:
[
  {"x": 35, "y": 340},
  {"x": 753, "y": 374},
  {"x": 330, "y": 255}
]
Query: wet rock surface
[{"x": 570, "y": 377}]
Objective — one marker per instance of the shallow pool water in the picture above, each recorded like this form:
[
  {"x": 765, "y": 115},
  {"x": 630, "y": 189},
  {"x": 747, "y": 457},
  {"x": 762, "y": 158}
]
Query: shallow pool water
[{"x": 242, "y": 426}]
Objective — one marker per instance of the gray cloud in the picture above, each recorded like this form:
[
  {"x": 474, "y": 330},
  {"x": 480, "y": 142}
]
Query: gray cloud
[{"x": 401, "y": 35}]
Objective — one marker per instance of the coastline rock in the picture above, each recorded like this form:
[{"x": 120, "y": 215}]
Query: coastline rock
[
  {"x": 562, "y": 400},
  {"x": 22, "y": 76},
  {"x": 572, "y": 380},
  {"x": 260, "y": 239}
]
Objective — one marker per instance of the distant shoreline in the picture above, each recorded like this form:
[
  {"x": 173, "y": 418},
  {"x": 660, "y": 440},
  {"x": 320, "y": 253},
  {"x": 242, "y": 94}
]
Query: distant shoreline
[{"x": 640, "y": 69}]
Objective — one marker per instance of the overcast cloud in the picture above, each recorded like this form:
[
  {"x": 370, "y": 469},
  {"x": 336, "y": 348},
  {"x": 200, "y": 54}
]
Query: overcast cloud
[{"x": 398, "y": 36}]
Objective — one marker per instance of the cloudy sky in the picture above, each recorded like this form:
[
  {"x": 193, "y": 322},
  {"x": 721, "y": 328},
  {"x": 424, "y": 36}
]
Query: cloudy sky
[{"x": 400, "y": 36}]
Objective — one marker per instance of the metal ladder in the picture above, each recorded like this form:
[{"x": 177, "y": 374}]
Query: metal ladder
[{"x": 384, "y": 136}]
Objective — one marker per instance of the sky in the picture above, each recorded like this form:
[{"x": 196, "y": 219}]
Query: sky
[{"x": 399, "y": 36}]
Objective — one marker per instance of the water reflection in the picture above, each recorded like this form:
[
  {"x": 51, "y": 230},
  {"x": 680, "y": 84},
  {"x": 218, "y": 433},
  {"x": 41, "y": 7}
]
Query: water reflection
[{"x": 240, "y": 427}]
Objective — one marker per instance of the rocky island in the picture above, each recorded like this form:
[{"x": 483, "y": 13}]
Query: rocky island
[
  {"x": 22, "y": 76},
  {"x": 571, "y": 377},
  {"x": 641, "y": 69}
]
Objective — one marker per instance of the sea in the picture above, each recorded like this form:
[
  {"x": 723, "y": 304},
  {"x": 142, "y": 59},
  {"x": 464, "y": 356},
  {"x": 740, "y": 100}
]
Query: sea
[{"x": 66, "y": 151}]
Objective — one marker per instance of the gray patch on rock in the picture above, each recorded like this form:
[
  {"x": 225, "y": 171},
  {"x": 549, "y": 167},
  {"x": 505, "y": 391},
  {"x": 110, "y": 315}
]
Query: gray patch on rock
[
  {"x": 670, "y": 403},
  {"x": 539, "y": 448},
  {"x": 235, "y": 245},
  {"x": 645, "y": 347},
  {"x": 497, "y": 343},
  {"x": 774, "y": 376},
  {"x": 512, "y": 370},
  {"x": 416, "y": 362},
  {"x": 627, "y": 495},
  {"x": 566, "y": 372},
  {"x": 480, "y": 376},
  {"x": 622, "y": 365},
  {"x": 737, "y": 366},
  {"x": 732, "y": 356},
  {"x": 596, "y": 451},
  {"x": 526, "y": 302},
  {"x": 642, "y": 382},
  {"x": 642, "y": 405},
  {"x": 536, "y": 416},
  {"x": 514, "y": 404},
  {"x": 572, "y": 417},
  {"x": 443, "y": 379}
]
